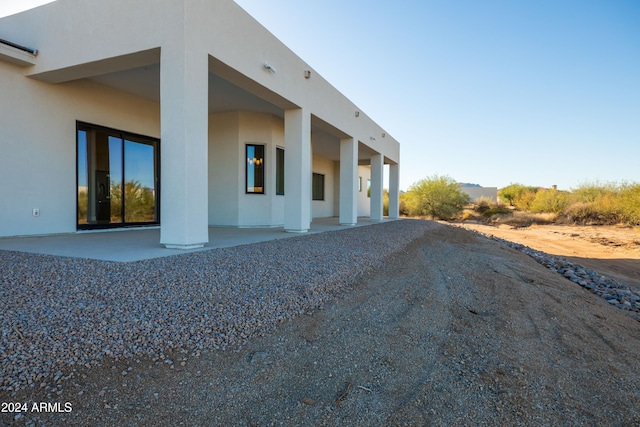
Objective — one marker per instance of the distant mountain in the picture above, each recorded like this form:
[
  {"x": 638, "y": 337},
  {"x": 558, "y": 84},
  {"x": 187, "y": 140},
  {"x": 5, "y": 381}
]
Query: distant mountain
[{"x": 466, "y": 184}]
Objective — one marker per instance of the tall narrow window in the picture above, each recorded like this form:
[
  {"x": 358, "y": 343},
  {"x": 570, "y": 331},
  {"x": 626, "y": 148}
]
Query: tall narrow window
[
  {"x": 360, "y": 183},
  {"x": 117, "y": 178},
  {"x": 255, "y": 169},
  {"x": 318, "y": 187},
  {"x": 280, "y": 171}
]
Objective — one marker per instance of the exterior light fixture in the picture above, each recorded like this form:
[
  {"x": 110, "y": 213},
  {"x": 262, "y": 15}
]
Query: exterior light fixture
[
  {"x": 307, "y": 74},
  {"x": 270, "y": 68},
  {"x": 384, "y": 135},
  {"x": 373, "y": 138},
  {"x": 357, "y": 113}
]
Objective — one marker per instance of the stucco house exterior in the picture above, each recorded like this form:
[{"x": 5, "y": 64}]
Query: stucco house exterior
[
  {"x": 180, "y": 113},
  {"x": 477, "y": 192}
]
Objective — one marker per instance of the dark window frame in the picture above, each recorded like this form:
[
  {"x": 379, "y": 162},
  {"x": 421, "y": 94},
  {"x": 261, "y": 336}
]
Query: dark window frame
[
  {"x": 124, "y": 136},
  {"x": 246, "y": 170},
  {"x": 317, "y": 194},
  {"x": 280, "y": 171}
]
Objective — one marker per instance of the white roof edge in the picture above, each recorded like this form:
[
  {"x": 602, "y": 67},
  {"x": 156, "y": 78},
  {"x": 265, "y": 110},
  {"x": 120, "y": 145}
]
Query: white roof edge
[{"x": 16, "y": 56}]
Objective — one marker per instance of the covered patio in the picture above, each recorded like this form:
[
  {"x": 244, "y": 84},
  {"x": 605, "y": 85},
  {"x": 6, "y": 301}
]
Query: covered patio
[
  {"x": 196, "y": 119},
  {"x": 128, "y": 245}
]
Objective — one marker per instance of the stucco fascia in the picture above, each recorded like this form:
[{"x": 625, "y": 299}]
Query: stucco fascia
[{"x": 80, "y": 38}]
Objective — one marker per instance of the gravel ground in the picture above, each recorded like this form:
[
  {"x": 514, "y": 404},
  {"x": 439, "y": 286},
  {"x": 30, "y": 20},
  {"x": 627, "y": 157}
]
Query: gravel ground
[
  {"x": 415, "y": 323},
  {"x": 60, "y": 313}
]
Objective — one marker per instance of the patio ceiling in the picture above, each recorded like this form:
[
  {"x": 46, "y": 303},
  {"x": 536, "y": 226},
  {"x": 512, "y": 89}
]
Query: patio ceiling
[
  {"x": 144, "y": 82},
  {"x": 223, "y": 95}
]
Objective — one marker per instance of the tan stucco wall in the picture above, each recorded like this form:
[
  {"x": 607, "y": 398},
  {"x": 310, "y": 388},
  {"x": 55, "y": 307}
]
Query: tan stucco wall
[
  {"x": 229, "y": 205},
  {"x": 324, "y": 208},
  {"x": 79, "y": 39},
  {"x": 38, "y": 140},
  {"x": 224, "y": 168},
  {"x": 477, "y": 192},
  {"x": 259, "y": 209}
]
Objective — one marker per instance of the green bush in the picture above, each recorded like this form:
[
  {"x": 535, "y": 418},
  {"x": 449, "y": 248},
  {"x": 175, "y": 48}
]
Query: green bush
[
  {"x": 602, "y": 204},
  {"x": 385, "y": 202},
  {"x": 438, "y": 197},
  {"x": 552, "y": 201},
  {"x": 630, "y": 203},
  {"x": 518, "y": 195},
  {"x": 403, "y": 207}
]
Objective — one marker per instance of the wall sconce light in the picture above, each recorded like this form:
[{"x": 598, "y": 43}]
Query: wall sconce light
[
  {"x": 270, "y": 68},
  {"x": 357, "y": 113},
  {"x": 373, "y": 138},
  {"x": 307, "y": 74},
  {"x": 384, "y": 134}
]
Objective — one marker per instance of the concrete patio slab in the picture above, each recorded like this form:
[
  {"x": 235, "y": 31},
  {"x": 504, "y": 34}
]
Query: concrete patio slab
[{"x": 127, "y": 245}]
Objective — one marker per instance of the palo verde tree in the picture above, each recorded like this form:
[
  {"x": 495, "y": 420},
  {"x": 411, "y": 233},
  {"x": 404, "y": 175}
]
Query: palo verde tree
[
  {"x": 438, "y": 197},
  {"x": 518, "y": 195}
]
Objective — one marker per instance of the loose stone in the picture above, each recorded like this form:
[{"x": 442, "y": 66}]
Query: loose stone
[{"x": 184, "y": 304}]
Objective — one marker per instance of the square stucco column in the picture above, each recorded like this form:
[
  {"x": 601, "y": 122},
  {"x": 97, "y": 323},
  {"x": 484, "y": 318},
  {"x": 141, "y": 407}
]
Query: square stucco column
[
  {"x": 297, "y": 171},
  {"x": 348, "y": 181},
  {"x": 394, "y": 191},
  {"x": 377, "y": 164},
  {"x": 184, "y": 103}
]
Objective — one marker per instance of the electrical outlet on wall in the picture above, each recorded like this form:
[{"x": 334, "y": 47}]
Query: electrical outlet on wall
[{"x": 36, "y": 212}]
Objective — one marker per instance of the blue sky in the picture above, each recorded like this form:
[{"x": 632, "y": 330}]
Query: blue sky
[{"x": 492, "y": 92}]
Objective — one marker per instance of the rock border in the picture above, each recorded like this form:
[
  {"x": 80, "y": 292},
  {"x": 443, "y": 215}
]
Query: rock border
[{"x": 617, "y": 294}]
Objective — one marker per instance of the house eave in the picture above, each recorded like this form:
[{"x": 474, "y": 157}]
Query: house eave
[{"x": 16, "y": 54}]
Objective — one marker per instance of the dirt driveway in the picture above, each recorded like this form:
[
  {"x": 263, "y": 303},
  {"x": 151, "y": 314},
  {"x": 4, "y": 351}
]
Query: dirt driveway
[{"x": 455, "y": 330}]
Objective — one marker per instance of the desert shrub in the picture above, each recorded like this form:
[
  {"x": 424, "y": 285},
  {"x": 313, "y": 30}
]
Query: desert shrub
[
  {"x": 497, "y": 211},
  {"x": 438, "y": 197},
  {"x": 385, "y": 202},
  {"x": 601, "y": 204},
  {"x": 524, "y": 219},
  {"x": 553, "y": 201},
  {"x": 592, "y": 192},
  {"x": 482, "y": 205},
  {"x": 403, "y": 206},
  {"x": 630, "y": 203},
  {"x": 524, "y": 201},
  {"x": 584, "y": 213},
  {"x": 590, "y": 203},
  {"x": 466, "y": 215},
  {"x": 517, "y": 195}
]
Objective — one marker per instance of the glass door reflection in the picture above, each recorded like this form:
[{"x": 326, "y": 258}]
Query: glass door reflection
[
  {"x": 117, "y": 178},
  {"x": 140, "y": 188}
]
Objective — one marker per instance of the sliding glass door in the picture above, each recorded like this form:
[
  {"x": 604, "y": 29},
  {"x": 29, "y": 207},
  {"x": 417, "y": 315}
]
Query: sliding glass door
[{"x": 117, "y": 178}]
